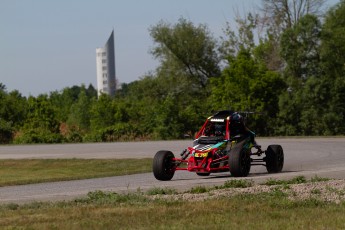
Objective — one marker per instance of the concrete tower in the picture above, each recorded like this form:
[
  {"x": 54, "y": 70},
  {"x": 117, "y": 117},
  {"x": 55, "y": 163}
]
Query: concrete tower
[{"x": 105, "y": 61}]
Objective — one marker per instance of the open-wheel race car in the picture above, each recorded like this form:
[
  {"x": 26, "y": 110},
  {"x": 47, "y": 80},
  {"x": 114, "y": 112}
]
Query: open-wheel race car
[{"x": 223, "y": 144}]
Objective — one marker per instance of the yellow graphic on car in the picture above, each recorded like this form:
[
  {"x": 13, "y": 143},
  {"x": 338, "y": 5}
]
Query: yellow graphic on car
[{"x": 201, "y": 154}]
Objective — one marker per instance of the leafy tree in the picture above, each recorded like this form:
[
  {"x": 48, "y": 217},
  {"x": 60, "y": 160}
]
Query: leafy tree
[
  {"x": 6, "y": 131},
  {"x": 12, "y": 113},
  {"x": 300, "y": 48},
  {"x": 168, "y": 124},
  {"x": 62, "y": 101},
  {"x": 91, "y": 92},
  {"x": 248, "y": 86},
  {"x": 333, "y": 59},
  {"x": 190, "y": 48},
  {"x": 233, "y": 42},
  {"x": 102, "y": 113},
  {"x": 276, "y": 17},
  {"x": 284, "y": 14},
  {"x": 41, "y": 114},
  {"x": 41, "y": 124},
  {"x": 80, "y": 112},
  {"x": 5, "y": 126}
]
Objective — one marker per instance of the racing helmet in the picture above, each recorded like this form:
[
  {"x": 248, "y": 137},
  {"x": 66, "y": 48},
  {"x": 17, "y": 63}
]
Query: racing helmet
[
  {"x": 236, "y": 118},
  {"x": 236, "y": 124}
]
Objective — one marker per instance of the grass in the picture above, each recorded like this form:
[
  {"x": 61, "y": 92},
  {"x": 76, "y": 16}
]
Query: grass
[
  {"x": 107, "y": 210},
  {"x": 295, "y": 180},
  {"x": 161, "y": 191},
  {"x": 16, "y": 172},
  {"x": 239, "y": 183}
]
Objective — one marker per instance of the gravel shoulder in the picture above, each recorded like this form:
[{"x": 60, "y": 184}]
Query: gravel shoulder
[{"x": 328, "y": 191}]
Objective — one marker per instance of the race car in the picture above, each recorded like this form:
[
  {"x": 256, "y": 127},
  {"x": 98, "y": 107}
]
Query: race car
[{"x": 223, "y": 144}]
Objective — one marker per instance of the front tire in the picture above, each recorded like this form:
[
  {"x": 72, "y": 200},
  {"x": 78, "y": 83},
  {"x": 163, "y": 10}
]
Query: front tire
[
  {"x": 274, "y": 159},
  {"x": 163, "y": 166},
  {"x": 239, "y": 162}
]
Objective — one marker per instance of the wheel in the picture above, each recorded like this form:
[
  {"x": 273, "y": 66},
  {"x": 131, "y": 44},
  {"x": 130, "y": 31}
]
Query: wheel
[
  {"x": 274, "y": 158},
  {"x": 203, "y": 173},
  {"x": 239, "y": 162},
  {"x": 163, "y": 165}
]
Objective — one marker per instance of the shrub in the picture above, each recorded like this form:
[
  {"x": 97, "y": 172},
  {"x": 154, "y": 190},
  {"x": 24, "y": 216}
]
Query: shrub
[{"x": 35, "y": 136}]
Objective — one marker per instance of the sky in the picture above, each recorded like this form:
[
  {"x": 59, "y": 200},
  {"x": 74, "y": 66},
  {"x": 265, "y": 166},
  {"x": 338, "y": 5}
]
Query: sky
[{"x": 47, "y": 45}]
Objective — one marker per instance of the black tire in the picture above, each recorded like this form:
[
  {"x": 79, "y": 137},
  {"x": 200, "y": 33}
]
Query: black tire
[
  {"x": 163, "y": 166},
  {"x": 239, "y": 162},
  {"x": 203, "y": 173},
  {"x": 274, "y": 159}
]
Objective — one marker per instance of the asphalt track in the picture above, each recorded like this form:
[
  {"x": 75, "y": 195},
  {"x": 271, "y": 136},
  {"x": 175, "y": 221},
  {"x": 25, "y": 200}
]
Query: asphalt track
[{"x": 324, "y": 157}]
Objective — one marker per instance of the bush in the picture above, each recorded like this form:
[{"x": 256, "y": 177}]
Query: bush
[
  {"x": 6, "y": 132},
  {"x": 35, "y": 136}
]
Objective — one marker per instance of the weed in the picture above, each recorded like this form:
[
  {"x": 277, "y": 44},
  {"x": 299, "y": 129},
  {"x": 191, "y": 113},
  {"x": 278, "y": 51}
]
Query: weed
[
  {"x": 12, "y": 206},
  {"x": 278, "y": 193},
  {"x": 318, "y": 179},
  {"x": 199, "y": 189},
  {"x": 161, "y": 191},
  {"x": 285, "y": 186},
  {"x": 101, "y": 197},
  {"x": 238, "y": 184},
  {"x": 315, "y": 191},
  {"x": 272, "y": 181},
  {"x": 339, "y": 192},
  {"x": 295, "y": 180}
]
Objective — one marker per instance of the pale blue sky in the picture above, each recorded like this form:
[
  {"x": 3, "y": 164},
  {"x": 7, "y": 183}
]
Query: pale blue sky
[{"x": 46, "y": 45}]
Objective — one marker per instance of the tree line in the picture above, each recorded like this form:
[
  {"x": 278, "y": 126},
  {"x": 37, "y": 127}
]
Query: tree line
[{"x": 285, "y": 63}]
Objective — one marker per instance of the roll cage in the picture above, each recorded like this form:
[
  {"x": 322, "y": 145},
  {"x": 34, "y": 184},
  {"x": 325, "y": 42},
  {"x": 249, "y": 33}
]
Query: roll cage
[{"x": 221, "y": 118}]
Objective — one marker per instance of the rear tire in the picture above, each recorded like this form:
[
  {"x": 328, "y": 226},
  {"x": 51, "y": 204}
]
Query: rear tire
[
  {"x": 163, "y": 166},
  {"x": 239, "y": 162},
  {"x": 274, "y": 159}
]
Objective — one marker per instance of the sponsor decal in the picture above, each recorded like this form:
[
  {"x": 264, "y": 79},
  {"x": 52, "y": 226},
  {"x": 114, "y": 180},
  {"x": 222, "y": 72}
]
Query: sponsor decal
[{"x": 217, "y": 120}]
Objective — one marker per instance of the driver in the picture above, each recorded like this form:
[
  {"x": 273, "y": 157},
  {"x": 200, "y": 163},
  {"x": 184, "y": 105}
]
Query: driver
[{"x": 237, "y": 127}]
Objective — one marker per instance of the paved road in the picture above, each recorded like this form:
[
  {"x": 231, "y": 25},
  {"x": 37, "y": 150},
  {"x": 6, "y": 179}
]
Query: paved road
[{"x": 303, "y": 156}]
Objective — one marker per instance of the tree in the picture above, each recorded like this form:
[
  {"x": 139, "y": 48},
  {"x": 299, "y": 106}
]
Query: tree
[
  {"x": 248, "y": 86},
  {"x": 279, "y": 15},
  {"x": 276, "y": 17},
  {"x": 300, "y": 47},
  {"x": 190, "y": 48},
  {"x": 41, "y": 124},
  {"x": 6, "y": 130},
  {"x": 79, "y": 115},
  {"x": 333, "y": 35},
  {"x": 233, "y": 42},
  {"x": 14, "y": 109},
  {"x": 333, "y": 59},
  {"x": 102, "y": 113}
]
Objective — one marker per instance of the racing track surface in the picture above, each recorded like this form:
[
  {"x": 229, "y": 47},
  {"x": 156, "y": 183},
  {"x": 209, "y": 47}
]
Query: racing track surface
[{"x": 324, "y": 157}]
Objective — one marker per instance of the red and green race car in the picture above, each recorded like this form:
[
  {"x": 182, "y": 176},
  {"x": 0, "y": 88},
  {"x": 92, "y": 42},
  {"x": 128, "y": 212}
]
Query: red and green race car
[{"x": 223, "y": 144}]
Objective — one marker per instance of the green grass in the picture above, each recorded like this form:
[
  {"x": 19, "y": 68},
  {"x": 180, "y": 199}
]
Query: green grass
[
  {"x": 161, "y": 191},
  {"x": 16, "y": 172},
  {"x": 107, "y": 210},
  {"x": 238, "y": 183},
  {"x": 294, "y": 180}
]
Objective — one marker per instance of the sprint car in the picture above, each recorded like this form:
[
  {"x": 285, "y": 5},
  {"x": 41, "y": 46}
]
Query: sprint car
[{"x": 223, "y": 144}]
